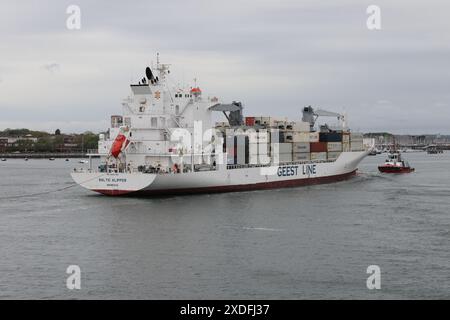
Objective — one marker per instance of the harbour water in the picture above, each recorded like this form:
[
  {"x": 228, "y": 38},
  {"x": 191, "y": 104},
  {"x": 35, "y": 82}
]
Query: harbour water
[{"x": 310, "y": 242}]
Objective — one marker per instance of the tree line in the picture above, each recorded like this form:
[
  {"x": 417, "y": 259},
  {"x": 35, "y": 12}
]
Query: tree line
[{"x": 41, "y": 141}]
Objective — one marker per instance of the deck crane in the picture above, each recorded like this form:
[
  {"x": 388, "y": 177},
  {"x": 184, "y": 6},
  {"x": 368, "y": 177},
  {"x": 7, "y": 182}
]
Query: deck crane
[
  {"x": 310, "y": 115},
  {"x": 234, "y": 116}
]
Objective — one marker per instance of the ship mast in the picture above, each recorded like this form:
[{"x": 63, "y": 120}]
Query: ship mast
[{"x": 162, "y": 68}]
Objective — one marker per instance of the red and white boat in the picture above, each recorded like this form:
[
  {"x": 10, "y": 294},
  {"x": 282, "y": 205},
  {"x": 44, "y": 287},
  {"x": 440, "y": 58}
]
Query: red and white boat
[{"x": 395, "y": 164}]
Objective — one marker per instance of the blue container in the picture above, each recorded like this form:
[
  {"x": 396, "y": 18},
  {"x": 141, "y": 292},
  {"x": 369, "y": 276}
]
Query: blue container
[{"x": 330, "y": 136}]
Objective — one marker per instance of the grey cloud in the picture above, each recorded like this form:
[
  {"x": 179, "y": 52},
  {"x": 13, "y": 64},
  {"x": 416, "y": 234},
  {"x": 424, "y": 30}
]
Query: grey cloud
[
  {"x": 274, "y": 56},
  {"x": 52, "y": 67}
]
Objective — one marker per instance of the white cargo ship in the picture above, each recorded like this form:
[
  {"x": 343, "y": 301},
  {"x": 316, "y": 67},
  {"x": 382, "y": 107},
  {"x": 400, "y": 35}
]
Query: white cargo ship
[{"x": 166, "y": 142}]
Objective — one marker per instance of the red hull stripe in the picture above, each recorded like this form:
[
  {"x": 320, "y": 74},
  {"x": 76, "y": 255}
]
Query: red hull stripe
[
  {"x": 234, "y": 188},
  {"x": 395, "y": 169},
  {"x": 113, "y": 192}
]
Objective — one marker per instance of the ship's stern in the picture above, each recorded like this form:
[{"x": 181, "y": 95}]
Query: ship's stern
[{"x": 113, "y": 184}]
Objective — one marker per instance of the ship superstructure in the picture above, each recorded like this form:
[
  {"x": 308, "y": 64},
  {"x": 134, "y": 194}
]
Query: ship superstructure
[{"x": 165, "y": 142}]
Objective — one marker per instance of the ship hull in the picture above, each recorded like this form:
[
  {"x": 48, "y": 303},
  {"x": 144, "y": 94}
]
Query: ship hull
[
  {"x": 392, "y": 169},
  {"x": 249, "y": 187},
  {"x": 223, "y": 180}
]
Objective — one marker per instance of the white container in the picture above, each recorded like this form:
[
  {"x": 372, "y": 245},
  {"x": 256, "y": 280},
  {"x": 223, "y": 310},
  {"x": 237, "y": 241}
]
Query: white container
[
  {"x": 356, "y": 146},
  {"x": 300, "y": 136},
  {"x": 265, "y": 121},
  {"x": 356, "y": 136},
  {"x": 279, "y": 124},
  {"x": 258, "y": 148},
  {"x": 285, "y": 148},
  {"x": 222, "y": 124},
  {"x": 333, "y": 155},
  {"x": 288, "y": 136},
  {"x": 282, "y": 157},
  {"x": 301, "y": 156},
  {"x": 253, "y": 148},
  {"x": 318, "y": 156},
  {"x": 345, "y": 138},
  {"x": 346, "y": 146},
  {"x": 313, "y": 137},
  {"x": 230, "y": 159},
  {"x": 290, "y": 125},
  {"x": 263, "y": 136},
  {"x": 334, "y": 146},
  {"x": 298, "y": 147},
  {"x": 301, "y": 126}
]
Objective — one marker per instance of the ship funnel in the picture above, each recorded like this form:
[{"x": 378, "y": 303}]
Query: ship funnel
[{"x": 149, "y": 74}]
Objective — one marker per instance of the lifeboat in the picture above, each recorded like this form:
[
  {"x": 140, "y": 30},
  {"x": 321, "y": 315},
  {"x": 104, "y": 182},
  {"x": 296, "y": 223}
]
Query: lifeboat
[
  {"x": 121, "y": 142},
  {"x": 395, "y": 164},
  {"x": 196, "y": 92}
]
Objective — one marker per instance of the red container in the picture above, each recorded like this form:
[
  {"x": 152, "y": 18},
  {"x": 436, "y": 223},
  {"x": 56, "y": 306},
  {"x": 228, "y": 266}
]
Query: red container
[
  {"x": 250, "y": 121},
  {"x": 318, "y": 147}
]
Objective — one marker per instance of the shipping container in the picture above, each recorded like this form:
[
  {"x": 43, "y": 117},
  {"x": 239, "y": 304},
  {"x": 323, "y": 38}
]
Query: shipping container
[
  {"x": 333, "y": 155},
  {"x": 258, "y": 136},
  {"x": 301, "y": 156},
  {"x": 282, "y": 157},
  {"x": 231, "y": 160},
  {"x": 285, "y": 148},
  {"x": 330, "y": 137},
  {"x": 278, "y": 136},
  {"x": 346, "y": 146},
  {"x": 300, "y": 147},
  {"x": 318, "y": 147},
  {"x": 313, "y": 137},
  {"x": 298, "y": 136},
  {"x": 356, "y": 136},
  {"x": 288, "y": 136},
  {"x": 265, "y": 121},
  {"x": 346, "y": 137},
  {"x": 334, "y": 146},
  {"x": 250, "y": 121},
  {"x": 281, "y": 137},
  {"x": 222, "y": 124},
  {"x": 301, "y": 126},
  {"x": 356, "y": 146},
  {"x": 259, "y": 148},
  {"x": 318, "y": 155}
]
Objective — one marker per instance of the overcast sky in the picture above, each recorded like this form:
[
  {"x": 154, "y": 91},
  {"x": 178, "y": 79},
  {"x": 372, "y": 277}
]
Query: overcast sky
[{"x": 274, "y": 56}]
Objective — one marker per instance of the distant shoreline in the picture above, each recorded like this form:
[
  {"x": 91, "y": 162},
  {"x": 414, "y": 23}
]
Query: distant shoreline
[{"x": 44, "y": 155}]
